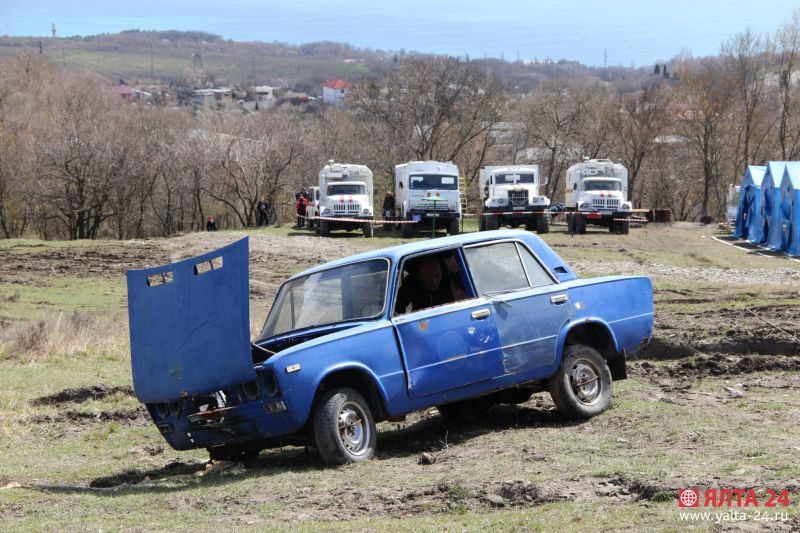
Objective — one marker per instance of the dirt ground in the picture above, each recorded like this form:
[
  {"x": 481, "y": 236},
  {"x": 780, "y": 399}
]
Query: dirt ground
[{"x": 711, "y": 403}]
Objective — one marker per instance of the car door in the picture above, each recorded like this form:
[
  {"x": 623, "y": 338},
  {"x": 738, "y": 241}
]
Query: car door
[
  {"x": 529, "y": 310},
  {"x": 449, "y": 346}
]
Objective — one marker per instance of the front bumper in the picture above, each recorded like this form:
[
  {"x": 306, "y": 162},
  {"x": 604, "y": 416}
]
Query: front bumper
[{"x": 430, "y": 214}]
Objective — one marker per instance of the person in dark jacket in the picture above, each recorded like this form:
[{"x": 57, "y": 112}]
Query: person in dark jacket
[
  {"x": 211, "y": 224},
  {"x": 263, "y": 210},
  {"x": 302, "y": 203},
  {"x": 429, "y": 286},
  {"x": 388, "y": 205}
]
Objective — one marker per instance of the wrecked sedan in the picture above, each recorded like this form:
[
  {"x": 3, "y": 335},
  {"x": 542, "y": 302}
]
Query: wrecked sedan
[{"x": 458, "y": 323}]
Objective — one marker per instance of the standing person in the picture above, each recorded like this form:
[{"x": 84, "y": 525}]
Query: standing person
[
  {"x": 302, "y": 192},
  {"x": 211, "y": 224},
  {"x": 302, "y": 203},
  {"x": 388, "y": 205},
  {"x": 263, "y": 209}
]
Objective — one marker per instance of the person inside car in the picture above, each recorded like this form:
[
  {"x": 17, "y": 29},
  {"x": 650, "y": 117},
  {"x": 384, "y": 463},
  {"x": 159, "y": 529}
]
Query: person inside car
[{"x": 427, "y": 286}]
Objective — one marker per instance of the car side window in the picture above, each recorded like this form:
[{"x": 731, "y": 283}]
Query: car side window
[
  {"x": 496, "y": 267},
  {"x": 537, "y": 275}
]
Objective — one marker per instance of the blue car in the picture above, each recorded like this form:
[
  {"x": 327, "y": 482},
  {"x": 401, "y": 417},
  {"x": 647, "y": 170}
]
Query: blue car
[{"x": 459, "y": 323}]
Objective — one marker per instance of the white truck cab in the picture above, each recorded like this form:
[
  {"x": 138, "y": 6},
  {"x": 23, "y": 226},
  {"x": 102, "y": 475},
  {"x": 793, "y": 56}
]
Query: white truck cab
[
  {"x": 597, "y": 193},
  {"x": 511, "y": 198},
  {"x": 345, "y": 198},
  {"x": 416, "y": 180}
]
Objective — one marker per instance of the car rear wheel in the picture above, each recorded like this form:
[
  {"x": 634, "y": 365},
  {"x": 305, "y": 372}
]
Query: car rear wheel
[
  {"x": 581, "y": 388},
  {"x": 344, "y": 430}
]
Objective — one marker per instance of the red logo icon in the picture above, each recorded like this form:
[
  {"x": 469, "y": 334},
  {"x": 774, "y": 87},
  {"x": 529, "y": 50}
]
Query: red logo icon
[{"x": 688, "y": 497}]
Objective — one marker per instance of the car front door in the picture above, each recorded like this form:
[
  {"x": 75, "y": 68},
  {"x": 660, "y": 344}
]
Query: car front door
[
  {"x": 449, "y": 346},
  {"x": 529, "y": 310}
]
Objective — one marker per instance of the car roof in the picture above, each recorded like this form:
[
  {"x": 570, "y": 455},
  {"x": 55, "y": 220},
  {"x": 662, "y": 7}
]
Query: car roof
[{"x": 395, "y": 253}]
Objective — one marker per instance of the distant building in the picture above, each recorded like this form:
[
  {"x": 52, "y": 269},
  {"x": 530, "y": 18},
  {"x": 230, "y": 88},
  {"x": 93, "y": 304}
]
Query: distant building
[
  {"x": 262, "y": 95},
  {"x": 129, "y": 93},
  {"x": 212, "y": 98},
  {"x": 334, "y": 92}
]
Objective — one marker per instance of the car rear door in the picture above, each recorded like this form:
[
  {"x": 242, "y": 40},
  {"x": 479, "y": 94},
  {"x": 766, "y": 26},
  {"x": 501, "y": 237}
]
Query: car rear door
[
  {"x": 530, "y": 308},
  {"x": 190, "y": 325}
]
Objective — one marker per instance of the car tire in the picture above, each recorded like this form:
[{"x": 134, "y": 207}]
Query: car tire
[
  {"x": 368, "y": 230},
  {"x": 349, "y": 443},
  {"x": 579, "y": 364},
  {"x": 324, "y": 228},
  {"x": 492, "y": 223}
]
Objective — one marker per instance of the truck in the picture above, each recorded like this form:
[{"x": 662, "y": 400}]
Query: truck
[
  {"x": 511, "y": 198},
  {"x": 343, "y": 349},
  {"x": 312, "y": 210},
  {"x": 345, "y": 198},
  {"x": 416, "y": 180},
  {"x": 597, "y": 193}
]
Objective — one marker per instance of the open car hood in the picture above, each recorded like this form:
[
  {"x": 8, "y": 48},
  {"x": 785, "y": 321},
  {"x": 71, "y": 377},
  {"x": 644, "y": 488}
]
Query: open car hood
[{"x": 190, "y": 325}]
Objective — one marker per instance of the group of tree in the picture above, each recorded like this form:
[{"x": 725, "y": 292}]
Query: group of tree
[{"x": 77, "y": 161}]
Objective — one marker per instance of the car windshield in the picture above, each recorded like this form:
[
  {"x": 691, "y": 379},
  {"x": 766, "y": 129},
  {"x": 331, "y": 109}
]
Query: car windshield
[
  {"x": 501, "y": 179},
  {"x": 601, "y": 185},
  {"x": 350, "y": 292},
  {"x": 346, "y": 188},
  {"x": 433, "y": 181}
]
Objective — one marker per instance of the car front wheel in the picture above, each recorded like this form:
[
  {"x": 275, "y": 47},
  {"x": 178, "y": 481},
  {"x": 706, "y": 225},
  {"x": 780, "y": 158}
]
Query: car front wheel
[
  {"x": 581, "y": 388},
  {"x": 344, "y": 430}
]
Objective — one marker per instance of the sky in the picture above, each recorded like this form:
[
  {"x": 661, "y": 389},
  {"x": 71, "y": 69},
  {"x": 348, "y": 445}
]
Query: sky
[{"x": 622, "y": 32}]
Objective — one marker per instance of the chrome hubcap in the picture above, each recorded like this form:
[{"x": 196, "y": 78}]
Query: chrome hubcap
[
  {"x": 353, "y": 430},
  {"x": 585, "y": 381}
]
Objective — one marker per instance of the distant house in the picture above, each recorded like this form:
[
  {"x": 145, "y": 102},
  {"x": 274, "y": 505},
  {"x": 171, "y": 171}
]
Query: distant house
[
  {"x": 124, "y": 91},
  {"x": 334, "y": 92},
  {"x": 263, "y": 95},
  {"x": 213, "y": 98}
]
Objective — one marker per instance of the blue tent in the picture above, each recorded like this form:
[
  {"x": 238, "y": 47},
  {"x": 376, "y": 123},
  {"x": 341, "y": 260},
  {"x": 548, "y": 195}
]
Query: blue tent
[
  {"x": 770, "y": 200},
  {"x": 790, "y": 209},
  {"x": 748, "y": 221}
]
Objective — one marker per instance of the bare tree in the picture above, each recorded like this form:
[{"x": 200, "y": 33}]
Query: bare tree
[
  {"x": 788, "y": 53},
  {"x": 636, "y": 121},
  {"x": 702, "y": 107}
]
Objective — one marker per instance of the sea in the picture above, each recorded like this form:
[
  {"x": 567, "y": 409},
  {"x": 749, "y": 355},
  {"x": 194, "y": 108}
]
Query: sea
[{"x": 612, "y": 32}]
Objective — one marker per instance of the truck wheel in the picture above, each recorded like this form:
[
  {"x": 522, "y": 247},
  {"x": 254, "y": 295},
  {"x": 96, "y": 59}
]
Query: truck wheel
[
  {"x": 406, "y": 230},
  {"x": 624, "y": 227},
  {"x": 368, "y": 230},
  {"x": 310, "y": 223},
  {"x": 612, "y": 226},
  {"x": 344, "y": 430},
  {"x": 580, "y": 224},
  {"x": 452, "y": 227},
  {"x": 492, "y": 223},
  {"x": 570, "y": 223},
  {"x": 482, "y": 223},
  {"x": 542, "y": 224},
  {"x": 324, "y": 228},
  {"x": 581, "y": 387}
]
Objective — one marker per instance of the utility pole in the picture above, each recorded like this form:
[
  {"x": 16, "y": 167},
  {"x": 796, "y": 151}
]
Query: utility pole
[
  {"x": 41, "y": 51},
  {"x": 253, "y": 72},
  {"x": 605, "y": 61},
  {"x": 152, "y": 65},
  {"x": 53, "y": 29}
]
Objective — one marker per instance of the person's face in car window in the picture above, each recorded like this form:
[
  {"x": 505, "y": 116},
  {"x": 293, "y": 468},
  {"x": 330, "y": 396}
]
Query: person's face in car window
[{"x": 430, "y": 274}]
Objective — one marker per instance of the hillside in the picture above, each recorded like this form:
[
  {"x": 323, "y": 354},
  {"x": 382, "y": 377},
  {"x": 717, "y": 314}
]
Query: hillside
[{"x": 143, "y": 57}]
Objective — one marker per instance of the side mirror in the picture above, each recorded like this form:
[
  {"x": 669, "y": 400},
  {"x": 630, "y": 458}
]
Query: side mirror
[
  {"x": 401, "y": 184},
  {"x": 486, "y": 192},
  {"x": 574, "y": 186},
  {"x": 546, "y": 180}
]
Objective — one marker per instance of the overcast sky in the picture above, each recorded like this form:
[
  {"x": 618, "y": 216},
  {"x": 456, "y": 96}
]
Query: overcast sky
[{"x": 638, "y": 31}]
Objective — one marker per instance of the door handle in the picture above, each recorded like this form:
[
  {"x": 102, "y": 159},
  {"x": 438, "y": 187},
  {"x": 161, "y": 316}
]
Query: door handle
[
  {"x": 559, "y": 299},
  {"x": 480, "y": 313}
]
